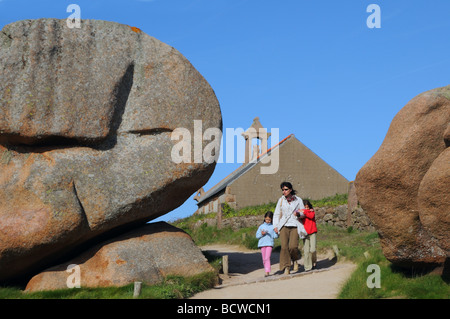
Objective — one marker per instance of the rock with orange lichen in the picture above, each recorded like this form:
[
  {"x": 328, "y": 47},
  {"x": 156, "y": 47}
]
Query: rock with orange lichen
[
  {"x": 147, "y": 254},
  {"x": 86, "y": 117},
  {"x": 135, "y": 29}
]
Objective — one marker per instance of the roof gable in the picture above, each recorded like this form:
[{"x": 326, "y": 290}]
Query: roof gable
[{"x": 238, "y": 173}]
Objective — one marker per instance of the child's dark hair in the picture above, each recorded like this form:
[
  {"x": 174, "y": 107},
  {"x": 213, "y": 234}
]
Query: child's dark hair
[
  {"x": 268, "y": 214},
  {"x": 307, "y": 202}
]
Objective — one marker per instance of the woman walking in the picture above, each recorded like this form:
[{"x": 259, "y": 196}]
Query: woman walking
[{"x": 287, "y": 226}]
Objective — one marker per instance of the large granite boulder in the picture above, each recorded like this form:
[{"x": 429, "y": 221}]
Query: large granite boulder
[
  {"x": 146, "y": 254},
  {"x": 86, "y": 118},
  {"x": 405, "y": 186}
]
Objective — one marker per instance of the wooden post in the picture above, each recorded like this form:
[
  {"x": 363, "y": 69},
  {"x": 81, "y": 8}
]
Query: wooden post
[
  {"x": 219, "y": 215},
  {"x": 137, "y": 289},
  {"x": 225, "y": 264},
  {"x": 336, "y": 250}
]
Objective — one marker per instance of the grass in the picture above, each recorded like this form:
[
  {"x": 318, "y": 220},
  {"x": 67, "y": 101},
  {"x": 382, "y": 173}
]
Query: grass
[
  {"x": 332, "y": 201},
  {"x": 361, "y": 248},
  {"x": 205, "y": 234},
  {"x": 228, "y": 212},
  {"x": 173, "y": 287},
  {"x": 352, "y": 243},
  {"x": 394, "y": 282}
]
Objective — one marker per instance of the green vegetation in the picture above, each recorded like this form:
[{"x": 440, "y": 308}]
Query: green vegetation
[
  {"x": 205, "y": 234},
  {"x": 361, "y": 248},
  {"x": 228, "y": 212},
  {"x": 173, "y": 287},
  {"x": 395, "y": 282},
  {"x": 247, "y": 211},
  {"x": 352, "y": 244},
  {"x": 332, "y": 201}
]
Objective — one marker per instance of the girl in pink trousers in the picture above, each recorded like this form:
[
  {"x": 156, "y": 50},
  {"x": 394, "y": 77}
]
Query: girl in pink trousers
[{"x": 266, "y": 236}]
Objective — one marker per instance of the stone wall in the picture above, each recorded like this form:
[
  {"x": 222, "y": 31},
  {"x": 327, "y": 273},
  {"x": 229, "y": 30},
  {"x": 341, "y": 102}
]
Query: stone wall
[
  {"x": 335, "y": 216},
  {"x": 339, "y": 216}
]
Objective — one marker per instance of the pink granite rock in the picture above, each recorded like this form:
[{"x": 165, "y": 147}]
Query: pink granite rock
[
  {"x": 146, "y": 254},
  {"x": 86, "y": 117},
  {"x": 404, "y": 186}
]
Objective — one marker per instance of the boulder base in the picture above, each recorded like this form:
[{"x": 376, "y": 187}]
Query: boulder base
[{"x": 146, "y": 254}]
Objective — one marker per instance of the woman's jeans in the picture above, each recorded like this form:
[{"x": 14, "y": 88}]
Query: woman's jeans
[
  {"x": 289, "y": 246},
  {"x": 266, "y": 251}
]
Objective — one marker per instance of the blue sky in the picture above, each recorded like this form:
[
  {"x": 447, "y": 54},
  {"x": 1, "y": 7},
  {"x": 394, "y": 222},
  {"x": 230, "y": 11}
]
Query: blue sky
[{"x": 311, "y": 68}]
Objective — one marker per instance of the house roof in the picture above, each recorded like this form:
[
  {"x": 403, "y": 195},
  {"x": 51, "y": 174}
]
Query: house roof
[{"x": 238, "y": 173}]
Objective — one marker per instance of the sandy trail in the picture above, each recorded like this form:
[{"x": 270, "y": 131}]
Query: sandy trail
[{"x": 246, "y": 277}]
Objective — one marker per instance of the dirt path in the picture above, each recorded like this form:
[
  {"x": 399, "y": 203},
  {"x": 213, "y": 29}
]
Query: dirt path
[{"x": 246, "y": 277}]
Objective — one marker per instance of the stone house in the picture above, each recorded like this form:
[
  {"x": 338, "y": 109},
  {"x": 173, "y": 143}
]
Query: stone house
[{"x": 309, "y": 175}]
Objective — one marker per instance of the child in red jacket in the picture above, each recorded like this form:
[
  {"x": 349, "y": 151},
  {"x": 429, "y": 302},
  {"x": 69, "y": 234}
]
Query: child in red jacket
[{"x": 308, "y": 218}]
